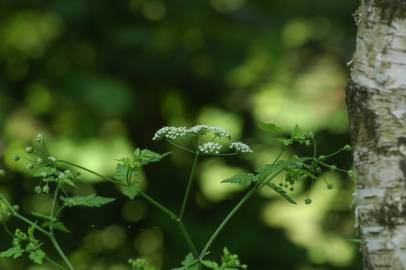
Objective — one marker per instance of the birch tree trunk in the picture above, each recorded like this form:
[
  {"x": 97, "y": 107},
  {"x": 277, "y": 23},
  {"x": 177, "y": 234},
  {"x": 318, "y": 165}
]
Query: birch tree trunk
[{"x": 376, "y": 100}]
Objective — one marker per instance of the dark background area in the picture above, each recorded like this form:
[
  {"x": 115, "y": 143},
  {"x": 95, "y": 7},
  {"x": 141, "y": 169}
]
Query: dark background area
[{"x": 98, "y": 78}]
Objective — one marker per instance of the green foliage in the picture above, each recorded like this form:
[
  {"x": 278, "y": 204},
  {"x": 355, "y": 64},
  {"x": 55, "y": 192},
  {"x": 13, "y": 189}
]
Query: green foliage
[
  {"x": 92, "y": 200},
  {"x": 56, "y": 179},
  {"x": 228, "y": 262},
  {"x": 189, "y": 263},
  {"x": 140, "y": 264},
  {"x": 128, "y": 171},
  {"x": 243, "y": 179},
  {"x": 25, "y": 243}
]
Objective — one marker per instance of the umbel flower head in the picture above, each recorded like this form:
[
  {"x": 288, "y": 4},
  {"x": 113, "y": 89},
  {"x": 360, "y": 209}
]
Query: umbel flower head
[
  {"x": 210, "y": 148},
  {"x": 173, "y": 133},
  {"x": 240, "y": 147}
]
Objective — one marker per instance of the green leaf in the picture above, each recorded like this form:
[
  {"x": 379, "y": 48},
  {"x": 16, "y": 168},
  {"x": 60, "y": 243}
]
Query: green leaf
[
  {"x": 89, "y": 201},
  {"x": 131, "y": 191},
  {"x": 146, "y": 156},
  {"x": 37, "y": 256},
  {"x": 244, "y": 179},
  {"x": 35, "y": 214},
  {"x": 56, "y": 225},
  {"x": 13, "y": 252},
  {"x": 281, "y": 192},
  {"x": 140, "y": 264},
  {"x": 272, "y": 128},
  {"x": 189, "y": 263}
]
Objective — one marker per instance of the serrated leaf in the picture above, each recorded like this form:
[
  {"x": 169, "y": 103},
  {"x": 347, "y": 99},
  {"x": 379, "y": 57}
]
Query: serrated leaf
[
  {"x": 56, "y": 225},
  {"x": 131, "y": 191},
  {"x": 89, "y": 201},
  {"x": 281, "y": 192},
  {"x": 35, "y": 214},
  {"x": 146, "y": 156},
  {"x": 189, "y": 263},
  {"x": 13, "y": 252},
  {"x": 244, "y": 179},
  {"x": 37, "y": 256}
]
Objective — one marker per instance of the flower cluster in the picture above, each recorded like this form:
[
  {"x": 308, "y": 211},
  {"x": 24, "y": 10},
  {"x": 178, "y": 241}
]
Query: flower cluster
[
  {"x": 171, "y": 133},
  {"x": 240, "y": 147},
  {"x": 210, "y": 148},
  {"x": 216, "y": 131},
  {"x": 177, "y": 132}
]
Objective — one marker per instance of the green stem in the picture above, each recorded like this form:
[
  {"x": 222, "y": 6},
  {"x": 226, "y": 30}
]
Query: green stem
[
  {"x": 165, "y": 210},
  {"x": 189, "y": 185},
  {"x": 60, "y": 252},
  {"x": 187, "y": 237},
  {"x": 225, "y": 221},
  {"x": 86, "y": 169},
  {"x": 172, "y": 216},
  {"x": 51, "y": 229},
  {"x": 149, "y": 199}
]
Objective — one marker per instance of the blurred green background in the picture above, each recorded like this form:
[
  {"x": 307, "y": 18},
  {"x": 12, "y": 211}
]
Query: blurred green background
[{"x": 98, "y": 78}]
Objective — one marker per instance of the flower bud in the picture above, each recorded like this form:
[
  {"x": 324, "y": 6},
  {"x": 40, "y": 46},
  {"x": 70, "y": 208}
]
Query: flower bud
[
  {"x": 333, "y": 167},
  {"x": 330, "y": 186},
  {"x": 38, "y": 189},
  {"x": 308, "y": 201},
  {"x": 45, "y": 189},
  {"x": 347, "y": 147},
  {"x": 30, "y": 166},
  {"x": 39, "y": 160},
  {"x": 2, "y": 172},
  {"x": 39, "y": 138},
  {"x": 29, "y": 149},
  {"x": 16, "y": 157}
]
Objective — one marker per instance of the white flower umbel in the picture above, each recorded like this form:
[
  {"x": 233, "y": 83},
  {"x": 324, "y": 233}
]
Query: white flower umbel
[
  {"x": 210, "y": 148},
  {"x": 170, "y": 133},
  {"x": 240, "y": 147},
  {"x": 216, "y": 131},
  {"x": 177, "y": 132}
]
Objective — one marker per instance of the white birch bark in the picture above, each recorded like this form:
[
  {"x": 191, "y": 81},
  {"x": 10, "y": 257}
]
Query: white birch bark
[{"x": 376, "y": 100}]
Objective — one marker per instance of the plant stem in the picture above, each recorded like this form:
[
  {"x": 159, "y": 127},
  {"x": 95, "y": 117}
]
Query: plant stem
[
  {"x": 152, "y": 201},
  {"x": 149, "y": 199},
  {"x": 86, "y": 169},
  {"x": 189, "y": 185},
  {"x": 51, "y": 228},
  {"x": 60, "y": 251},
  {"x": 172, "y": 216},
  {"x": 187, "y": 237},
  {"x": 226, "y": 220}
]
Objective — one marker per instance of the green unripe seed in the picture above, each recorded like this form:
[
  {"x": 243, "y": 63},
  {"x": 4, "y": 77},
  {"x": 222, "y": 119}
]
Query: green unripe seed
[
  {"x": 45, "y": 189},
  {"x": 29, "y": 149},
  {"x": 30, "y": 166},
  {"x": 333, "y": 167},
  {"x": 39, "y": 138},
  {"x": 330, "y": 186},
  {"x": 308, "y": 201},
  {"x": 347, "y": 147},
  {"x": 2, "y": 172},
  {"x": 16, "y": 157},
  {"x": 39, "y": 160},
  {"x": 38, "y": 189}
]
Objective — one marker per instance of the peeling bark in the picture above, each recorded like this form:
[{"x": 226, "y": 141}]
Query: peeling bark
[{"x": 376, "y": 101}]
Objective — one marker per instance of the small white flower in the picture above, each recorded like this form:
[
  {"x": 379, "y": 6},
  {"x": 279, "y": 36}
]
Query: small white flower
[
  {"x": 240, "y": 147},
  {"x": 210, "y": 148},
  {"x": 216, "y": 131},
  {"x": 177, "y": 132},
  {"x": 170, "y": 133}
]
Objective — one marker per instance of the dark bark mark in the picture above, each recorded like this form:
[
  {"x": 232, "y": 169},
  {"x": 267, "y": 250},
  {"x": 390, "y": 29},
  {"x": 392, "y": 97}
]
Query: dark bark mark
[
  {"x": 390, "y": 9},
  {"x": 363, "y": 122}
]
